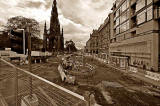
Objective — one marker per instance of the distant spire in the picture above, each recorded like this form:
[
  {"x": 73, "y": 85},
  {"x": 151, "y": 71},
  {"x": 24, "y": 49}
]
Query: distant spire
[
  {"x": 45, "y": 24},
  {"x": 62, "y": 30},
  {"x": 55, "y": 2},
  {"x": 54, "y": 21},
  {"x": 54, "y": 8},
  {"x": 62, "y": 40},
  {"x": 45, "y": 36},
  {"x": 45, "y": 27}
]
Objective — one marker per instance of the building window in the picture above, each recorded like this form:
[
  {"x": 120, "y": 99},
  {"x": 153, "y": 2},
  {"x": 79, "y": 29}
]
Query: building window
[
  {"x": 123, "y": 17},
  {"x": 124, "y": 6},
  {"x": 123, "y": 27},
  {"x": 140, "y": 4},
  {"x": 149, "y": 13},
  {"x": 117, "y": 13},
  {"x": 117, "y": 30},
  {"x": 149, "y": 1},
  {"x": 128, "y": 12},
  {"x": 141, "y": 17},
  {"x": 127, "y": 25},
  {"x": 128, "y": 3},
  {"x": 117, "y": 21}
]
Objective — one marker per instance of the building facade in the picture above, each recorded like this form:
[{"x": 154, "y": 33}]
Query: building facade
[
  {"x": 135, "y": 34},
  {"x": 94, "y": 42},
  {"x": 99, "y": 41},
  {"x": 104, "y": 39},
  {"x": 87, "y": 47},
  {"x": 53, "y": 38}
]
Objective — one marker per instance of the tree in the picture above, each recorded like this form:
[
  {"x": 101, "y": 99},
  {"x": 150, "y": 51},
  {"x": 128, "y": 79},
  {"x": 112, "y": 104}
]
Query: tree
[
  {"x": 20, "y": 22},
  {"x": 70, "y": 46}
]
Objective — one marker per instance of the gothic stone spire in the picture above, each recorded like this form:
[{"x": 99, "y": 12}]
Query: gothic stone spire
[
  {"x": 54, "y": 22},
  {"x": 55, "y": 2},
  {"x": 45, "y": 28},
  {"x": 54, "y": 28}
]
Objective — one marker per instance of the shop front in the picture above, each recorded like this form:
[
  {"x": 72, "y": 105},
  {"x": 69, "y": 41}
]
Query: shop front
[{"x": 118, "y": 61}]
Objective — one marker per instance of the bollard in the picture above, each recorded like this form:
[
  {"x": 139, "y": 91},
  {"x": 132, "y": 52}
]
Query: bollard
[
  {"x": 46, "y": 60},
  {"x": 35, "y": 61}
]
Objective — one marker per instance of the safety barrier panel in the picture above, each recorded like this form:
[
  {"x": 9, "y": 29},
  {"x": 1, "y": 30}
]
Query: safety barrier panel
[{"x": 20, "y": 87}]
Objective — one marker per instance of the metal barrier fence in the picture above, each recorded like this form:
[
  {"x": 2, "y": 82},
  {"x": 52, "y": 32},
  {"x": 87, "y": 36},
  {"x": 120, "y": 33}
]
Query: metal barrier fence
[{"x": 15, "y": 87}]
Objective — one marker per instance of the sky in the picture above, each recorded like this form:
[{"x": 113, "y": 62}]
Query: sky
[{"x": 77, "y": 17}]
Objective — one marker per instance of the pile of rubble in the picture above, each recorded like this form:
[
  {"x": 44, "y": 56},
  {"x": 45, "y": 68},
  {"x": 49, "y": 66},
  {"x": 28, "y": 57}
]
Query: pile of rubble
[{"x": 71, "y": 69}]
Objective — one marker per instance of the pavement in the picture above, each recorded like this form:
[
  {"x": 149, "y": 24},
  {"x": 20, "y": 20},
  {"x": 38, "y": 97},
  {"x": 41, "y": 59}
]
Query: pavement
[
  {"x": 138, "y": 74},
  {"x": 121, "y": 87}
]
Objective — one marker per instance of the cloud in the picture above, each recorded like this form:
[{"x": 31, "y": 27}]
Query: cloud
[
  {"x": 79, "y": 39},
  {"x": 30, "y": 4},
  {"x": 78, "y": 17}
]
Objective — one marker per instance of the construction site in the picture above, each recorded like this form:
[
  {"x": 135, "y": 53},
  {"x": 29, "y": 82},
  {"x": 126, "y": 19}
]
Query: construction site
[
  {"x": 117, "y": 67},
  {"x": 72, "y": 80}
]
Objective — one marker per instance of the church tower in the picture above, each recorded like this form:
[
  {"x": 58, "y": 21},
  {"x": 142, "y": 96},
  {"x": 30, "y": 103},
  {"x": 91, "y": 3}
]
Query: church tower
[
  {"x": 54, "y": 39},
  {"x": 54, "y": 28}
]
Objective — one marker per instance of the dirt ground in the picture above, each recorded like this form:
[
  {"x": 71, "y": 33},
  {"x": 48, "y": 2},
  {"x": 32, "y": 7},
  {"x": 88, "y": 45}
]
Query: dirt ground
[{"x": 131, "y": 92}]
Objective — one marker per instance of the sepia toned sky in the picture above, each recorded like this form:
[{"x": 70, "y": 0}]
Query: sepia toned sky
[{"x": 78, "y": 17}]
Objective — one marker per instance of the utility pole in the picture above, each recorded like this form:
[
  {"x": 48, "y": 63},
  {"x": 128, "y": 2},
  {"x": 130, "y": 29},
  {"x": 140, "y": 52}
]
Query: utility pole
[
  {"x": 83, "y": 57},
  {"x": 30, "y": 58},
  {"x": 16, "y": 87}
]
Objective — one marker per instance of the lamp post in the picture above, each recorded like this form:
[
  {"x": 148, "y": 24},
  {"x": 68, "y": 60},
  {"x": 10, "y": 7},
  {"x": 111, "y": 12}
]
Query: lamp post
[{"x": 30, "y": 58}]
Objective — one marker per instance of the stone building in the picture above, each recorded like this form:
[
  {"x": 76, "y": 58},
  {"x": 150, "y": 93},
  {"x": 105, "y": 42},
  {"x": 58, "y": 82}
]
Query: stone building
[
  {"x": 104, "y": 39},
  {"x": 94, "y": 42},
  {"x": 87, "y": 47},
  {"x": 99, "y": 41},
  {"x": 135, "y": 34},
  {"x": 53, "y": 38}
]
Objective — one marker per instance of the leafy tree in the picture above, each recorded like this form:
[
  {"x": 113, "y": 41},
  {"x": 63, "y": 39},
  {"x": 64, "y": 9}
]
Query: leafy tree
[
  {"x": 70, "y": 46},
  {"x": 20, "y": 22}
]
